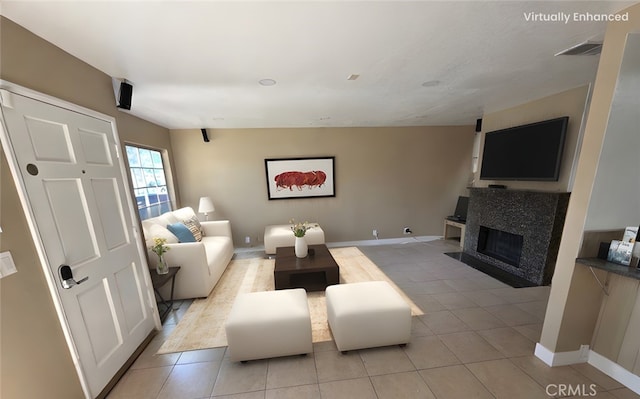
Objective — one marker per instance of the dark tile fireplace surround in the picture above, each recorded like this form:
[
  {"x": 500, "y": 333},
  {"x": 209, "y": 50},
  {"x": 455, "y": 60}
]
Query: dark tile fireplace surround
[{"x": 517, "y": 231}]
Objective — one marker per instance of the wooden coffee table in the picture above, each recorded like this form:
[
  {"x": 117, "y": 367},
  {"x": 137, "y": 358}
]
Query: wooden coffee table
[{"x": 315, "y": 272}]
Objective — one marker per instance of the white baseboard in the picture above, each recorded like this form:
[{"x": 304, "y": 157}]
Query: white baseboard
[
  {"x": 561, "y": 358},
  {"x": 385, "y": 241},
  {"x": 615, "y": 371},
  {"x": 610, "y": 368}
]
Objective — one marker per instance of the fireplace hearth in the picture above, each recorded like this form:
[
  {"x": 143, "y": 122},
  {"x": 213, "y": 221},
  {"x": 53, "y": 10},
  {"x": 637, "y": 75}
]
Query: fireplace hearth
[
  {"x": 518, "y": 231},
  {"x": 500, "y": 245}
]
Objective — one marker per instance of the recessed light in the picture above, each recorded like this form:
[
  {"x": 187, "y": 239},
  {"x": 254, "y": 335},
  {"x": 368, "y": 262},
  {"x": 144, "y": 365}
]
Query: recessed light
[
  {"x": 267, "y": 82},
  {"x": 431, "y": 83},
  {"x": 353, "y": 76}
]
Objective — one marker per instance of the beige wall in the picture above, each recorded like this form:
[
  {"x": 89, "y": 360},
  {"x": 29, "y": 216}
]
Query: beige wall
[
  {"x": 386, "y": 178},
  {"x": 568, "y": 103},
  {"x": 35, "y": 359},
  {"x": 614, "y": 201},
  {"x": 565, "y": 324},
  {"x": 616, "y": 333}
]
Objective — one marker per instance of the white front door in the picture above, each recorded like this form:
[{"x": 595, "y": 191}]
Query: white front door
[{"x": 69, "y": 168}]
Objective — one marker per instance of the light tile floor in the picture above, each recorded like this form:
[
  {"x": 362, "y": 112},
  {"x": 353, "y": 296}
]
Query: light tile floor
[{"x": 475, "y": 340}]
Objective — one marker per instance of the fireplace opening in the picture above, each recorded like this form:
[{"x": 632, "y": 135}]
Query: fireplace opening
[{"x": 500, "y": 245}]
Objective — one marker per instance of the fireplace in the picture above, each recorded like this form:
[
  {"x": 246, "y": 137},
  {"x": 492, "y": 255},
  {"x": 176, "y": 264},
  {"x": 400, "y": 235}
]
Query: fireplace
[
  {"x": 517, "y": 231},
  {"x": 500, "y": 245}
]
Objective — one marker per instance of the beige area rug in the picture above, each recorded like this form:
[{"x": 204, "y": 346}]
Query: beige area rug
[{"x": 203, "y": 324}]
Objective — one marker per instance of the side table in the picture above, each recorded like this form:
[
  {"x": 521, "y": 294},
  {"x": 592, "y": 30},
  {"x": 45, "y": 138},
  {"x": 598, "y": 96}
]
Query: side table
[
  {"x": 460, "y": 225},
  {"x": 159, "y": 280}
]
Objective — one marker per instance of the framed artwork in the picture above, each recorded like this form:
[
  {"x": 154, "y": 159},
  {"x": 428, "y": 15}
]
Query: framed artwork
[{"x": 300, "y": 177}]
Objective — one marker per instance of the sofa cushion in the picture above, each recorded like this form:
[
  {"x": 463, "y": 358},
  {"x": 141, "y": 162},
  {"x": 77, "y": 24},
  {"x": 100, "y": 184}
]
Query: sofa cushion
[
  {"x": 183, "y": 213},
  {"x": 157, "y": 231},
  {"x": 181, "y": 231},
  {"x": 166, "y": 218}
]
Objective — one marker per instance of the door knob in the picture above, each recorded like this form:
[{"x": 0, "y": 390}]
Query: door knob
[{"x": 66, "y": 275}]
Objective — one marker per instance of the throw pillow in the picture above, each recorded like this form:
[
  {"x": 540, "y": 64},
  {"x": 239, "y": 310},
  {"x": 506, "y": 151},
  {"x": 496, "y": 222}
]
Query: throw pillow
[
  {"x": 182, "y": 232},
  {"x": 157, "y": 231},
  {"x": 194, "y": 226}
]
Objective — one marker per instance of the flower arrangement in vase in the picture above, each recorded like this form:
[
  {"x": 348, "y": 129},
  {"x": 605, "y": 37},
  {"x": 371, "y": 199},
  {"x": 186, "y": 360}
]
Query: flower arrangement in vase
[
  {"x": 299, "y": 230},
  {"x": 159, "y": 248}
]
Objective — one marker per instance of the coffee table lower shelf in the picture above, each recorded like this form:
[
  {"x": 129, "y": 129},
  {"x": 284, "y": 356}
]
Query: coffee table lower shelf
[
  {"x": 311, "y": 281},
  {"x": 315, "y": 272}
]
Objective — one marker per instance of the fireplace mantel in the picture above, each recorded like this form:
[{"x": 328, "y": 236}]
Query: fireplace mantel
[
  {"x": 516, "y": 190},
  {"x": 537, "y": 216}
]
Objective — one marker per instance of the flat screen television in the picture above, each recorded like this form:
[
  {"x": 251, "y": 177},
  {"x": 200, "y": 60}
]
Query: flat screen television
[{"x": 528, "y": 152}]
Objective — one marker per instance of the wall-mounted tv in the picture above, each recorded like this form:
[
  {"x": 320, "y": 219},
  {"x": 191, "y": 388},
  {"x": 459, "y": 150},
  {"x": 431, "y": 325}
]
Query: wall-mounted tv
[{"x": 528, "y": 152}]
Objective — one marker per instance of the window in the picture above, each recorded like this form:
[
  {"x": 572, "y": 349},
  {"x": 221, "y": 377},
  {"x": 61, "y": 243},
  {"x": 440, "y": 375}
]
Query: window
[{"x": 149, "y": 181}]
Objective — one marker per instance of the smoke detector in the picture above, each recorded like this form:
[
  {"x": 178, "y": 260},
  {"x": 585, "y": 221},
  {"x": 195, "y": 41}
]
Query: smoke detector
[
  {"x": 267, "y": 82},
  {"x": 584, "y": 48}
]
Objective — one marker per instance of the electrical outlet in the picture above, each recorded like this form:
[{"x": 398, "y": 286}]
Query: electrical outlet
[
  {"x": 375, "y": 233},
  {"x": 584, "y": 352},
  {"x": 406, "y": 230},
  {"x": 247, "y": 240}
]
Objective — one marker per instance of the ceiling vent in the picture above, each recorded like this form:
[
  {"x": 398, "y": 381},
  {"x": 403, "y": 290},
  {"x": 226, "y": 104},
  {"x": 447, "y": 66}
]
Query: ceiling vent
[{"x": 584, "y": 48}]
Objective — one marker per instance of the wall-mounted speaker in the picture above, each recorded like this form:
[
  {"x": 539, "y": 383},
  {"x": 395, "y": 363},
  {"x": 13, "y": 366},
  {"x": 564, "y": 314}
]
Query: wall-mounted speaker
[
  {"x": 124, "y": 96},
  {"x": 205, "y": 136},
  {"x": 479, "y": 125}
]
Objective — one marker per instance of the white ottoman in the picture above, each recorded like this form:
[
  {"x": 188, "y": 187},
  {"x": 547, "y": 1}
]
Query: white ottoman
[
  {"x": 280, "y": 235},
  {"x": 269, "y": 324},
  {"x": 367, "y": 315}
]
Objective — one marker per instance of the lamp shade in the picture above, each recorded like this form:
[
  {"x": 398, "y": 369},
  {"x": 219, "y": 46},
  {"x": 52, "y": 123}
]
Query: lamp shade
[{"x": 206, "y": 205}]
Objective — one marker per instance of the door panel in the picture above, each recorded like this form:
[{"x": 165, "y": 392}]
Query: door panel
[
  {"x": 50, "y": 141},
  {"x": 95, "y": 146},
  {"x": 84, "y": 217},
  {"x": 114, "y": 227},
  {"x": 100, "y": 320},
  {"x": 72, "y": 221},
  {"x": 128, "y": 283}
]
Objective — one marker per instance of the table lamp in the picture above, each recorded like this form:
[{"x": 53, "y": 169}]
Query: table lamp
[{"x": 206, "y": 207}]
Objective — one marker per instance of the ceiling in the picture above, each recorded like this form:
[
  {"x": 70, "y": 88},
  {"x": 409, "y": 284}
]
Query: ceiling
[{"x": 197, "y": 64}]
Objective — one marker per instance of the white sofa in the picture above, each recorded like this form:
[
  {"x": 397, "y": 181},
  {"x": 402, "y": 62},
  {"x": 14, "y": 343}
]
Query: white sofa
[
  {"x": 280, "y": 235},
  {"x": 202, "y": 263}
]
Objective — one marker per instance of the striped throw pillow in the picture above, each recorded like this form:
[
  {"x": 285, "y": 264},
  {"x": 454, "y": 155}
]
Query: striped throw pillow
[{"x": 193, "y": 224}]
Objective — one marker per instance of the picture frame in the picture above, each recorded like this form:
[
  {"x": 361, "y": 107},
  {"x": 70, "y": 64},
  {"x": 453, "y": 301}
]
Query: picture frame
[{"x": 290, "y": 178}]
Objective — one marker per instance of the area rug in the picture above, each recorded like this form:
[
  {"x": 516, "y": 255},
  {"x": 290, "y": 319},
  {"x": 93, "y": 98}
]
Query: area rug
[{"x": 202, "y": 326}]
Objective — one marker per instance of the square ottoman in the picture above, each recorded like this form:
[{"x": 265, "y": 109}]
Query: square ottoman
[
  {"x": 269, "y": 324},
  {"x": 280, "y": 235},
  {"x": 367, "y": 315}
]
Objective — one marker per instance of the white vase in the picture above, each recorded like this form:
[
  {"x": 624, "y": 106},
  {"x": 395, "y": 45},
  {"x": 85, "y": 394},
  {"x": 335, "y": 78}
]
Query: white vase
[{"x": 301, "y": 247}]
